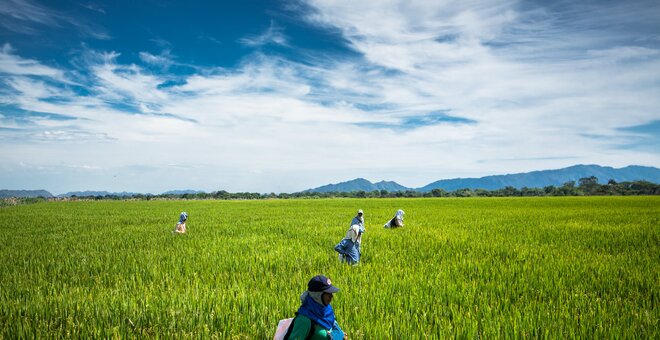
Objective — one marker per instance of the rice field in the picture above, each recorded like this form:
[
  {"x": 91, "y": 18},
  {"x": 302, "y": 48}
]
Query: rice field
[{"x": 551, "y": 267}]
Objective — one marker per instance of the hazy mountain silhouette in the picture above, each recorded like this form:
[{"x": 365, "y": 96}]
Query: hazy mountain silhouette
[
  {"x": 182, "y": 192},
  {"x": 359, "y": 184},
  {"x": 25, "y": 193},
  {"x": 534, "y": 179},
  {"x": 540, "y": 179},
  {"x": 98, "y": 193}
]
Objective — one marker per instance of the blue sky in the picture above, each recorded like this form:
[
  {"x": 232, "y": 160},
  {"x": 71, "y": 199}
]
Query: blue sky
[{"x": 282, "y": 96}]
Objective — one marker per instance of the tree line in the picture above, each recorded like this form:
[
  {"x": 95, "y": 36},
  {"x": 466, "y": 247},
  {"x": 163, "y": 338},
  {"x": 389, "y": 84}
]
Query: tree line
[{"x": 587, "y": 186}]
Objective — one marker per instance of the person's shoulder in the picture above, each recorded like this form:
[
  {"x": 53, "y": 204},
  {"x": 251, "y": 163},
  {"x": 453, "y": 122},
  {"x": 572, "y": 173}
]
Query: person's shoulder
[
  {"x": 301, "y": 327},
  {"x": 304, "y": 319},
  {"x": 302, "y": 322}
]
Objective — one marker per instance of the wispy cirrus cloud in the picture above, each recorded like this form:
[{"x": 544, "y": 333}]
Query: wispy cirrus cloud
[
  {"x": 31, "y": 18},
  {"x": 20, "y": 16},
  {"x": 273, "y": 35},
  {"x": 12, "y": 64}
]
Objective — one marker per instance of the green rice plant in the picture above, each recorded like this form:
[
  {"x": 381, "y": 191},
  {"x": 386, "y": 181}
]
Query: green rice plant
[{"x": 549, "y": 267}]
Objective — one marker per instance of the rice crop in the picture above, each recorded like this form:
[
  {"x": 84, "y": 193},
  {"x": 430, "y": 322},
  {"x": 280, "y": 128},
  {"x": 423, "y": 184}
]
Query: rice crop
[{"x": 551, "y": 267}]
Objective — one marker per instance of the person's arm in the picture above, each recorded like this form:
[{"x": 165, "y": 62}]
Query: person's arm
[
  {"x": 301, "y": 327},
  {"x": 337, "y": 332}
]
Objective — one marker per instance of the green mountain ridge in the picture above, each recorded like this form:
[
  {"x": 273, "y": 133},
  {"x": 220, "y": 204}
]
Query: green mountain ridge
[{"x": 534, "y": 179}]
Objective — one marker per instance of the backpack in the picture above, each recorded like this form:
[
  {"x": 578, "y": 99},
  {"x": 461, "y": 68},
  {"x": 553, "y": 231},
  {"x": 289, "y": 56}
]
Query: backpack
[{"x": 309, "y": 334}]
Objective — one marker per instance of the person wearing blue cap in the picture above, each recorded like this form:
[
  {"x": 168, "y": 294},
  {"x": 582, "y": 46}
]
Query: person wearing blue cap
[
  {"x": 181, "y": 225},
  {"x": 315, "y": 318}
]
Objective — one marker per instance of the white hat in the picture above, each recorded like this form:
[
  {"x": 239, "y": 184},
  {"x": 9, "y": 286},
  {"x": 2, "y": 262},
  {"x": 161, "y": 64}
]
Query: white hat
[{"x": 360, "y": 211}]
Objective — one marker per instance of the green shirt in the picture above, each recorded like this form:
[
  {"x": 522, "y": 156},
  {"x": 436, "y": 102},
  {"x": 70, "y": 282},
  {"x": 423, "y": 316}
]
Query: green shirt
[{"x": 301, "y": 326}]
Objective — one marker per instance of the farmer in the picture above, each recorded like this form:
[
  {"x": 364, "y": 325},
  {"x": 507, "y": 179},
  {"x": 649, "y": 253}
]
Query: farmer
[
  {"x": 315, "y": 318},
  {"x": 359, "y": 220},
  {"x": 349, "y": 247},
  {"x": 397, "y": 221},
  {"x": 181, "y": 225}
]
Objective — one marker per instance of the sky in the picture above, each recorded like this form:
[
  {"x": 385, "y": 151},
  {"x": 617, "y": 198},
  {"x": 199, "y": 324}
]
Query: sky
[{"x": 282, "y": 96}]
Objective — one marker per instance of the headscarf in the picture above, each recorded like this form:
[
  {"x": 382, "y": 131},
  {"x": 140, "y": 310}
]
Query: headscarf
[
  {"x": 399, "y": 214},
  {"x": 353, "y": 233},
  {"x": 315, "y": 310},
  {"x": 316, "y": 296},
  {"x": 183, "y": 217}
]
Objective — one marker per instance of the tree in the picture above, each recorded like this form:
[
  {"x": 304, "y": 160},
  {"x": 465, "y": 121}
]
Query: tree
[
  {"x": 410, "y": 193},
  {"x": 525, "y": 191},
  {"x": 222, "y": 194},
  {"x": 466, "y": 192},
  {"x": 438, "y": 193},
  {"x": 567, "y": 189},
  {"x": 549, "y": 190}
]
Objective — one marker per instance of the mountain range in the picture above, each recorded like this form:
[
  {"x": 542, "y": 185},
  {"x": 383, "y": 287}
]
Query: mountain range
[
  {"x": 359, "y": 184},
  {"x": 534, "y": 179},
  {"x": 25, "y": 193},
  {"x": 540, "y": 179},
  {"x": 97, "y": 193},
  {"x": 182, "y": 192}
]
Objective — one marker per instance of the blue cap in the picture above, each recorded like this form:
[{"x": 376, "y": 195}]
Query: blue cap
[{"x": 320, "y": 283}]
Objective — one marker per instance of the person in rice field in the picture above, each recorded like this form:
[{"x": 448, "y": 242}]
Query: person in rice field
[
  {"x": 315, "y": 319},
  {"x": 396, "y": 221},
  {"x": 181, "y": 225},
  {"x": 359, "y": 220},
  {"x": 349, "y": 247}
]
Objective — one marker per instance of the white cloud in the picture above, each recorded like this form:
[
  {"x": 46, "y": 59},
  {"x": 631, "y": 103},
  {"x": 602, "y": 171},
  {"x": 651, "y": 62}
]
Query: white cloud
[
  {"x": 27, "y": 11},
  {"x": 535, "y": 100},
  {"x": 30, "y": 18},
  {"x": 163, "y": 60},
  {"x": 273, "y": 35},
  {"x": 15, "y": 65}
]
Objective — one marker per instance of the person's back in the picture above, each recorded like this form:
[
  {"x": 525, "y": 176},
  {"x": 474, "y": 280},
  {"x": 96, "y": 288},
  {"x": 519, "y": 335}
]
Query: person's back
[
  {"x": 353, "y": 233},
  {"x": 181, "y": 225},
  {"x": 396, "y": 221},
  {"x": 306, "y": 328},
  {"x": 349, "y": 247}
]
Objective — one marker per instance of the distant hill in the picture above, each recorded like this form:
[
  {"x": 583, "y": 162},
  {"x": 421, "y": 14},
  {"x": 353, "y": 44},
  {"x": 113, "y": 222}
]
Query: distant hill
[
  {"x": 98, "y": 193},
  {"x": 182, "y": 192},
  {"x": 25, "y": 193},
  {"x": 540, "y": 179},
  {"x": 359, "y": 184},
  {"x": 534, "y": 179}
]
